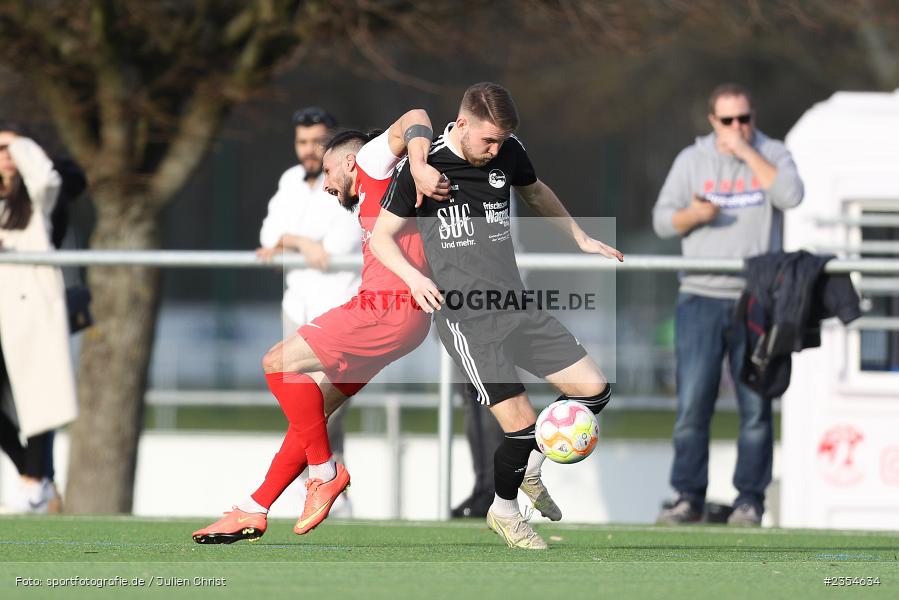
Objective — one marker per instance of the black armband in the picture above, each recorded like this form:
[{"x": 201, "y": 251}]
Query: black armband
[{"x": 415, "y": 131}]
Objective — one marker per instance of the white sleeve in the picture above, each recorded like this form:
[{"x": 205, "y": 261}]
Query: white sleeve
[
  {"x": 344, "y": 235},
  {"x": 40, "y": 178},
  {"x": 376, "y": 159},
  {"x": 279, "y": 211}
]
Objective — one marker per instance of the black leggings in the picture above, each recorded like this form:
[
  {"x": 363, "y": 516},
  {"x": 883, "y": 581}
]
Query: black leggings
[{"x": 35, "y": 459}]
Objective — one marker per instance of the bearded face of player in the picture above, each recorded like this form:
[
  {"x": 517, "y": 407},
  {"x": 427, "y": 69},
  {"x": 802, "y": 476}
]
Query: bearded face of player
[
  {"x": 346, "y": 197},
  {"x": 480, "y": 140},
  {"x": 338, "y": 181},
  {"x": 309, "y": 146}
]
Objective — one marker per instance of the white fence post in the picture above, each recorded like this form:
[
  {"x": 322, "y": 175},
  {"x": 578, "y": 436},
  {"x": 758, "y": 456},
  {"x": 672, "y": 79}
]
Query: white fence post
[{"x": 445, "y": 432}]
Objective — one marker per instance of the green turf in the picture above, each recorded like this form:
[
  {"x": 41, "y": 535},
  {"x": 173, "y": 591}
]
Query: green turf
[{"x": 460, "y": 560}]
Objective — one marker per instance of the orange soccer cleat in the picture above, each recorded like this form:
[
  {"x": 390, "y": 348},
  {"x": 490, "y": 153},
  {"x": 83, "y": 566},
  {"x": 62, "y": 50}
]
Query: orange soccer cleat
[
  {"x": 234, "y": 526},
  {"x": 320, "y": 495}
]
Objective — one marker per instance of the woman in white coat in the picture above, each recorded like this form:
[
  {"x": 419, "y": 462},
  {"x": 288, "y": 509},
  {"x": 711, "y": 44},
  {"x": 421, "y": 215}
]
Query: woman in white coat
[{"x": 34, "y": 332}]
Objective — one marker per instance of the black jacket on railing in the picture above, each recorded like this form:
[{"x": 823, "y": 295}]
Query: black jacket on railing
[{"x": 785, "y": 298}]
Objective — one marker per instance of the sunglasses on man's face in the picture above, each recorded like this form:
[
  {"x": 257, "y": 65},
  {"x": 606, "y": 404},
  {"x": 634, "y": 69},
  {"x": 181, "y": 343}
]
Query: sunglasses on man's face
[
  {"x": 743, "y": 119},
  {"x": 313, "y": 116}
]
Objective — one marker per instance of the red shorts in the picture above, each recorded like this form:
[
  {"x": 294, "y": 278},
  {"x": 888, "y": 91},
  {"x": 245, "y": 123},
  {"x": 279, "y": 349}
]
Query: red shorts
[{"x": 356, "y": 340}]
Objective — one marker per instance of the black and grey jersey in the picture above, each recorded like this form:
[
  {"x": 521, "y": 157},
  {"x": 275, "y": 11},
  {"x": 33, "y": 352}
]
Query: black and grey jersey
[{"x": 468, "y": 238}]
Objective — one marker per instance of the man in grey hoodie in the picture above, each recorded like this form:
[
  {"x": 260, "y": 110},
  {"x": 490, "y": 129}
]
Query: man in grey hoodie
[{"x": 724, "y": 198}]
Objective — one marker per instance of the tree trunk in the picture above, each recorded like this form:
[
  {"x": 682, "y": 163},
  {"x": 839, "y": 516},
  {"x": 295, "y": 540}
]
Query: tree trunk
[{"x": 115, "y": 357}]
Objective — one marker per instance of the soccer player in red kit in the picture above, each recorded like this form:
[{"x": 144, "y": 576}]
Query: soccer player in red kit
[{"x": 332, "y": 357}]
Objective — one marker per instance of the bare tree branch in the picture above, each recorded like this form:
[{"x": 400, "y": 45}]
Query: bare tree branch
[
  {"x": 64, "y": 107},
  {"x": 240, "y": 26},
  {"x": 362, "y": 40},
  {"x": 199, "y": 122},
  {"x": 112, "y": 96},
  {"x": 882, "y": 58}
]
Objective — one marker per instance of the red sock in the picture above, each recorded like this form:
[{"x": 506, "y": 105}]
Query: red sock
[
  {"x": 286, "y": 466},
  {"x": 302, "y": 402}
]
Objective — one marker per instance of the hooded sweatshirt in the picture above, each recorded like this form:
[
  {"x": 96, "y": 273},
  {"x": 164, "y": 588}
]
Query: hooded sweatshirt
[{"x": 750, "y": 220}]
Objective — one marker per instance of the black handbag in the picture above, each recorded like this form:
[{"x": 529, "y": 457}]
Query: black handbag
[
  {"x": 78, "y": 295},
  {"x": 78, "y": 301}
]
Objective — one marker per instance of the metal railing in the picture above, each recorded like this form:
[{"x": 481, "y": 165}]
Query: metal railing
[
  {"x": 880, "y": 220},
  {"x": 529, "y": 260},
  {"x": 563, "y": 262}
]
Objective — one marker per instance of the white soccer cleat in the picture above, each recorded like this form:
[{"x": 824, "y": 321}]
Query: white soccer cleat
[
  {"x": 516, "y": 530},
  {"x": 535, "y": 490}
]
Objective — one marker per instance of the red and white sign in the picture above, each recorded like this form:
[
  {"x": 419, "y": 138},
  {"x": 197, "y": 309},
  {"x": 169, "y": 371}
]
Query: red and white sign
[{"x": 837, "y": 455}]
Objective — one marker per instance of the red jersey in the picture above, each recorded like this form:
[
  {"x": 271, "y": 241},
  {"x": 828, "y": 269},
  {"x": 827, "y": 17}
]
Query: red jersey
[
  {"x": 358, "y": 339},
  {"x": 374, "y": 168}
]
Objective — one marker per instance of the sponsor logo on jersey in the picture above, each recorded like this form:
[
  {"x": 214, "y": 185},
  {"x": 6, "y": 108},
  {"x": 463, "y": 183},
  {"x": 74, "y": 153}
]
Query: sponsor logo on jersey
[
  {"x": 496, "y": 178},
  {"x": 497, "y": 212},
  {"x": 455, "y": 222}
]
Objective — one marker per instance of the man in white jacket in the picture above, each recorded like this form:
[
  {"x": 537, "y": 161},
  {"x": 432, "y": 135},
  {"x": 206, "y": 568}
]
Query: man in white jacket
[{"x": 302, "y": 217}]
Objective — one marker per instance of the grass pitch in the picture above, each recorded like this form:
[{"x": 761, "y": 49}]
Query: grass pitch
[{"x": 141, "y": 558}]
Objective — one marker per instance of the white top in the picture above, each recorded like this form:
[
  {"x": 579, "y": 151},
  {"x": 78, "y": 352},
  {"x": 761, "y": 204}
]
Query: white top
[{"x": 298, "y": 209}]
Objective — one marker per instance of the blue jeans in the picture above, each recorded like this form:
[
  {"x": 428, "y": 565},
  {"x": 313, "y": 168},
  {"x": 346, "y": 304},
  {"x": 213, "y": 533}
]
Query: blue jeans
[{"x": 705, "y": 332}]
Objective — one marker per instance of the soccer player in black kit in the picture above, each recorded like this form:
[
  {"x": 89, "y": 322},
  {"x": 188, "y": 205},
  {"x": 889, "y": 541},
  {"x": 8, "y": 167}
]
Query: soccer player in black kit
[{"x": 468, "y": 244}]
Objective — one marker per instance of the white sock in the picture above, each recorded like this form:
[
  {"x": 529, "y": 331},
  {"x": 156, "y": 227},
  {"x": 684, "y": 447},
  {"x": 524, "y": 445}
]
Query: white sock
[
  {"x": 535, "y": 462},
  {"x": 251, "y": 506},
  {"x": 325, "y": 471},
  {"x": 504, "y": 508}
]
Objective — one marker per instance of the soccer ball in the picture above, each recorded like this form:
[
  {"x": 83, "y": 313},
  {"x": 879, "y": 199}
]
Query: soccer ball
[{"x": 567, "y": 431}]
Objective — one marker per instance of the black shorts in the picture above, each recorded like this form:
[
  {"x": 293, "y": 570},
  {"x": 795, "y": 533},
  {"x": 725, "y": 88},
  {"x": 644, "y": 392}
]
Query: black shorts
[{"x": 487, "y": 349}]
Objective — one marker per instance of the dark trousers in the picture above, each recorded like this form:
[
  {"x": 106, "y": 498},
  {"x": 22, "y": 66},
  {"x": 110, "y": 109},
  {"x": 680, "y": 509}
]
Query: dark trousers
[{"x": 35, "y": 459}]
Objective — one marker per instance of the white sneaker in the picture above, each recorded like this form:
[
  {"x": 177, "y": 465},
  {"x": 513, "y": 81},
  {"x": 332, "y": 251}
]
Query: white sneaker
[
  {"x": 35, "y": 497},
  {"x": 535, "y": 490},
  {"x": 516, "y": 531}
]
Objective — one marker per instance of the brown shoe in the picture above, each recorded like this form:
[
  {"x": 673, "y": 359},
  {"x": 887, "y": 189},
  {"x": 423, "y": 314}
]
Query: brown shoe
[
  {"x": 745, "y": 515},
  {"x": 682, "y": 512}
]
